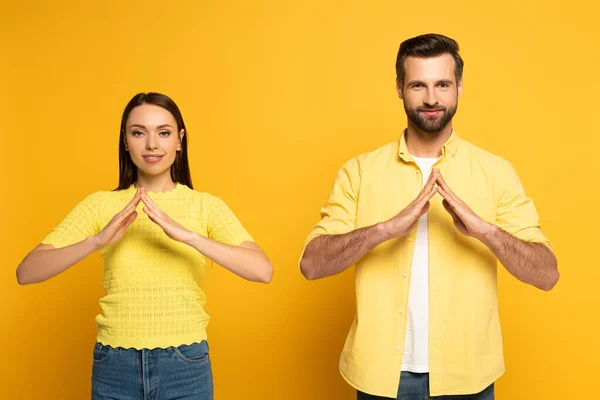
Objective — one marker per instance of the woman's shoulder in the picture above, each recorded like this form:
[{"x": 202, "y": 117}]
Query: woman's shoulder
[
  {"x": 208, "y": 200},
  {"x": 108, "y": 197},
  {"x": 111, "y": 195},
  {"x": 98, "y": 197}
]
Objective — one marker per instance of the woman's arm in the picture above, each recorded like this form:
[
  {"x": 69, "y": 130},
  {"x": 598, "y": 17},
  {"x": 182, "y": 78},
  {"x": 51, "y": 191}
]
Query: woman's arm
[
  {"x": 246, "y": 260},
  {"x": 45, "y": 261}
]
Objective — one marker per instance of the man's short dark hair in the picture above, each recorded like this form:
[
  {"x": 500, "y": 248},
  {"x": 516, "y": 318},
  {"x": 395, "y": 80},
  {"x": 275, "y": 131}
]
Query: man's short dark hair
[{"x": 426, "y": 46}]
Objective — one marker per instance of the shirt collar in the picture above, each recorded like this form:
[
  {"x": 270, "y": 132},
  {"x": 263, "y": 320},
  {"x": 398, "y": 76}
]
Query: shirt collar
[{"x": 448, "y": 149}]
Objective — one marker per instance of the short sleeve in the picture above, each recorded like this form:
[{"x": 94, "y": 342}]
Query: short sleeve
[
  {"x": 516, "y": 213},
  {"x": 78, "y": 225},
  {"x": 223, "y": 226},
  {"x": 338, "y": 215}
]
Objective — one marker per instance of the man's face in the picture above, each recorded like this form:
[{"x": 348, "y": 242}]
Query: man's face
[{"x": 430, "y": 91}]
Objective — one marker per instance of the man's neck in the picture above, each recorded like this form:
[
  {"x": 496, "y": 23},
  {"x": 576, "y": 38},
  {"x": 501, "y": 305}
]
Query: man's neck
[{"x": 426, "y": 144}]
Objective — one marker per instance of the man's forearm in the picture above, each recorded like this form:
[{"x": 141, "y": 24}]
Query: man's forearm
[
  {"x": 331, "y": 254},
  {"x": 532, "y": 263}
]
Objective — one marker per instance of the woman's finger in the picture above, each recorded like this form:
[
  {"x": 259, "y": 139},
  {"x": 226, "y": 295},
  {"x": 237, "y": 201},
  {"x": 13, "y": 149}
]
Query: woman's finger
[{"x": 148, "y": 202}]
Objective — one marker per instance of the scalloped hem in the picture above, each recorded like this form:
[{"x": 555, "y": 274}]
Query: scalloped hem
[{"x": 138, "y": 343}]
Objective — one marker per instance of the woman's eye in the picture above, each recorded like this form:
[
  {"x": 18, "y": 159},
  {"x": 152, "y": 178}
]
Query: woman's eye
[
  {"x": 165, "y": 133},
  {"x": 137, "y": 133}
]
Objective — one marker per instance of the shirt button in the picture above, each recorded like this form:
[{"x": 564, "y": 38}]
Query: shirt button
[
  {"x": 405, "y": 274},
  {"x": 409, "y": 239},
  {"x": 402, "y": 311},
  {"x": 399, "y": 348}
]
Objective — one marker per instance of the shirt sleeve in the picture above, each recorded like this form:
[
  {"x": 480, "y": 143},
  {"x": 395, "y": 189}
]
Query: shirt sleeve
[
  {"x": 338, "y": 215},
  {"x": 223, "y": 226},
  {"x": 78, "y": 225},
  {"x": 516, "y": 213}
]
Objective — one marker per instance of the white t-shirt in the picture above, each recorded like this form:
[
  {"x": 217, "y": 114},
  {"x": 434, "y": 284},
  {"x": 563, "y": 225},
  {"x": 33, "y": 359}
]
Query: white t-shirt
[{"x": 416, "y": 344}]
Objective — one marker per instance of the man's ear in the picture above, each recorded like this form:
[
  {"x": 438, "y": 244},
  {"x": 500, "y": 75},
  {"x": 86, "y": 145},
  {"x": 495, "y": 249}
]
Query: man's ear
[{"x": 399, "y": 89}]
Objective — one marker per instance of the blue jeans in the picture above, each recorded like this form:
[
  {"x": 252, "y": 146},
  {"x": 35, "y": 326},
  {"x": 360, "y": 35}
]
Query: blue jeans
[
  {"x": 416, "y": 387},
  {"x": 181, "y": 373}
]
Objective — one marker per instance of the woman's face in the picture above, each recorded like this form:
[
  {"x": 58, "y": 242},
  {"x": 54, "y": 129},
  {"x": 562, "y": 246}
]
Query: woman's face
[{"x": 152, "y": 139}]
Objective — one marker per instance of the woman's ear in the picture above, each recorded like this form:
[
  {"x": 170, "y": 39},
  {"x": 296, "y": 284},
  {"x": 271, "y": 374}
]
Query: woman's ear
[{"x": 181, "y": 135}]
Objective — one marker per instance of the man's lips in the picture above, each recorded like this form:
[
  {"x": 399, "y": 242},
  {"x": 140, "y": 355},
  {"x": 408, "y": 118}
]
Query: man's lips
[{"x": 432, "y": 112}]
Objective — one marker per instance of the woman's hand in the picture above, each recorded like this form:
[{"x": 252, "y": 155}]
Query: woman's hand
[
  {"x": 116, "y": 228},
  {"x": 171, "y": 228}
]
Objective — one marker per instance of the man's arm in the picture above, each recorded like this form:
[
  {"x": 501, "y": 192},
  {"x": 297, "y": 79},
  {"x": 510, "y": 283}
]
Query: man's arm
[
  {"x": 331, "y": 254},
  {"x": 532, "y": 263}
]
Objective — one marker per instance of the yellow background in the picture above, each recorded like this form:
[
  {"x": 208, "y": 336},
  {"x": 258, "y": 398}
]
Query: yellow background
[{"x": 276, "y": 96}]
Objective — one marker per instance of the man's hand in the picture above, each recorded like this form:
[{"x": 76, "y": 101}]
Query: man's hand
[
  {"x": 406, "y": 220},
  {"x": 465, "y": 220}
]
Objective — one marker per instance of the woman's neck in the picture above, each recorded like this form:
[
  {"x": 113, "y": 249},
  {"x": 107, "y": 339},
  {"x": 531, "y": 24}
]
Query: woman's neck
[{"x": 153, "y": 183}]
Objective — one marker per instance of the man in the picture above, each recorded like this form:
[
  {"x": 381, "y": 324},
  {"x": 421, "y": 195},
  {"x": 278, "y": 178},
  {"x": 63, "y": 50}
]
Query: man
[{"x": 424, "y": 219}]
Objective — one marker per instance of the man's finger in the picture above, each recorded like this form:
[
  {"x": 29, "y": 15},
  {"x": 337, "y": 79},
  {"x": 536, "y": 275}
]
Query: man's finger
[
  {"x": 424, "y": 209},
  {"x": 441, "y": 182},
  {"x": 450, "y": 211},
  {"x": 448, "y": 208},
  {"x": 449, "y": 196},
  {"x": 430, "y": 183},
  {"x": 451, "y": 201},
  {"x": 426, "y": 197},
  {"x": 428, "y": 191}
]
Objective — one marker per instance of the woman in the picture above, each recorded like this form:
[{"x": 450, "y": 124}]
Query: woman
[{"x": 152, "y": 330}]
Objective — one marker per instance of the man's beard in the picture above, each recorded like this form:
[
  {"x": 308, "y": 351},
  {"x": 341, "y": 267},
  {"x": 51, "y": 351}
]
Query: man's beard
[{"x": 429, "y": 124}]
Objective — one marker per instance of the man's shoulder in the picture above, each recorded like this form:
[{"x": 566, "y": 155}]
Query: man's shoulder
[
  {"x": 480, "y": 155},
  {"x": 381, "y": 154}
]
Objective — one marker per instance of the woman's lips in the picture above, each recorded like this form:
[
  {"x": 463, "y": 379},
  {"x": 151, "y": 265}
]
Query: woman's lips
[{"x": 152, "y": 159}]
